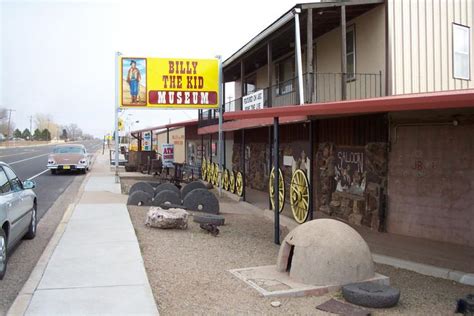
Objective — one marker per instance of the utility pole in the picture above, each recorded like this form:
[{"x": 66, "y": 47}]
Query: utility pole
[
  {"x": 9, "y": 121},
  {"x": 31, "y": 127}
]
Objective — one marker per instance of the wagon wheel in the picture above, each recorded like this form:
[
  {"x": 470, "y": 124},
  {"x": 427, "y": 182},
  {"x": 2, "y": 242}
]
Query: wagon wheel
[
  {"x": 209, "y": 171},
  {"x": 239, "y": 184},
  {"x": 225, "y": 182},
  {"x": 215, "y": 179},
  {"x": 203, "y": 169},
  {"x": 231, "y": 181},
  {"x": 299, "y": 196},
  {"x": 281, "y": 189}
]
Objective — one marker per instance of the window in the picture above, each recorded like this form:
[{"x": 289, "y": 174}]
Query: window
[
  {"x": 15, "y": 182},
  {"x": 350, "y": 53},
  {"x": 285, "y": 74},
  {"x": 4, "y": 183},
  {"x": 461, "y": 53}
]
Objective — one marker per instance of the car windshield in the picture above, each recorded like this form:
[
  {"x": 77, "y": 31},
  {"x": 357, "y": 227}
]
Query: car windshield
[{"x": 68, "y": 150}]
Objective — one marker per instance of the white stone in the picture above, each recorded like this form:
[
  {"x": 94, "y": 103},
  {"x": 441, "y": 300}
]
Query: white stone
[
  {"x": 276, "y": 303},
  {"x": 171, "y": 218}
]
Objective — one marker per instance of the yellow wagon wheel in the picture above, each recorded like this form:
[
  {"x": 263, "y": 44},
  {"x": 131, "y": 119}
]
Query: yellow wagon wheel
[
  {"x": 203, "y": 169},
  {"x": 215, "y": 180},
  {"x": 225, "y": 182},
  {"x": 299, "y": 196},
  {"x": 239, "y": 183},
  {"x": 231, "y": 181},
  {"x": 209, "y": 171},
  {"x": 281, "y": 189}
]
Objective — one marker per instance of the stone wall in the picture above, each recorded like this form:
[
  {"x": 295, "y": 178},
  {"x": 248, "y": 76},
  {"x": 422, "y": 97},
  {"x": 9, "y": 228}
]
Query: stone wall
[{"x": 352, "y": 183}]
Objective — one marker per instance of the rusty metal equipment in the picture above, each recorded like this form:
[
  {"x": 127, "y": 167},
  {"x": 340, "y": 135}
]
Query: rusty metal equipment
[
  {"x": 299, "y": 196},
  {"x": 281, "y": 189}
]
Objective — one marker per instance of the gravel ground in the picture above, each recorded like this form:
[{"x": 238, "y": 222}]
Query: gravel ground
[{"x": 188, "y": 271}]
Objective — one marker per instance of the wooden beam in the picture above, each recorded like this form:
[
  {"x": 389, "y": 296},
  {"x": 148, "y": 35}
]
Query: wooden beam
[{"x": 343, "y": 52}]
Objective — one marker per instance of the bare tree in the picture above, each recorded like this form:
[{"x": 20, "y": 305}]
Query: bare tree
[
  {"x": 46, "y": 121},
  {"x": 73, "y": 131},
  {"x": 6, "y": 125}
]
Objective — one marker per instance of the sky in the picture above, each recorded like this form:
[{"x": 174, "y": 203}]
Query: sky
[{"x": 57, "y": 57}]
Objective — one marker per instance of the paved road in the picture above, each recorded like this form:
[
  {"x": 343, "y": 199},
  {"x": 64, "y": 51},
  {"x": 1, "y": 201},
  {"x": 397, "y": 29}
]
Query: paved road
[
  {"x": 30, "y": 163},
  {"x": 55, "y": 193}
]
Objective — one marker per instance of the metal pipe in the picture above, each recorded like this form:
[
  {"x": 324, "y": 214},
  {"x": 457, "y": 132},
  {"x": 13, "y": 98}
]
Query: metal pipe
[
  {"x": 311, "y": 164},
  {"x": 299, "y": 61},
  {"x": 243, "y": 163},
  {"x": 220, "y": 147},
  {"x": 343, "y": 53},
  {"x": 276, "y": 165},
  {"x": 117, "y": 109}
]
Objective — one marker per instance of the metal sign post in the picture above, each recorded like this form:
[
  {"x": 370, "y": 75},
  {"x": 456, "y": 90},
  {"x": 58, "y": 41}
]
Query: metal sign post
[
  {"x": 221, "y": 113},
  {"x": 117, "y": 109}
]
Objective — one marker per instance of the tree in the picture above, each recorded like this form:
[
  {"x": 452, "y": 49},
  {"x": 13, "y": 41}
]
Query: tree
[
  {"x": 73, "y": 131},
  {"x": 45, "y": 121},
  {"x": 26, "y": 134},
  {"x": 37, "y": 134},
  {"x": 45, "y": 135},
  {"x": 64, "y": 135},
  {"x": 4, "y": 120},
  {"x": 17, "y": 133}
]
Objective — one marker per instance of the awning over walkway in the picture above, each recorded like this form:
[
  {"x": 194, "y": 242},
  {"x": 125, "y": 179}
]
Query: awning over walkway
[
  {"x": 248, "y": 124},
  {"x": 165, "y": 126}
]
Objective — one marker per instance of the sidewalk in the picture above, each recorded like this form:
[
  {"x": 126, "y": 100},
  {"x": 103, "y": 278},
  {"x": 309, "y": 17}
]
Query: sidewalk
[{"x": 96, "y": 266}]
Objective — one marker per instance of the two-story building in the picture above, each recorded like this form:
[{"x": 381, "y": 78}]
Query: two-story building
[{"x": 373, "y": 100}]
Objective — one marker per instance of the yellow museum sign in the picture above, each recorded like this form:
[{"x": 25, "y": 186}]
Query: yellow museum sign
[{"x": 169, "y": 83}]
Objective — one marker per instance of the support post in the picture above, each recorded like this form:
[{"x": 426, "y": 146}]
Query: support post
[
  {"x": 220, "y": 148},
  {"x": 311, "y": 156},
  {"x": 117, "y": 109},
  {"x": 343, "y": 53},
  {"x": 167, "y": 141},
  {"x": 210, "y": 148},
  {"x": 242, "y": 153},
  {"x": 276, "y": 195},
  {"x": 309, "y": 56},
  {"x": 270, "y": 161},
  {"x": 299, "y": 62},
  {"x": 269, "y": 74},
  {"x": 242, "y": 82}
]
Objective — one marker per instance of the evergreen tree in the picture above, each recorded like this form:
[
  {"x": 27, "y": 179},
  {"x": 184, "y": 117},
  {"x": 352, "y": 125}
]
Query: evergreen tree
[
  {"x": 26, "y": 134},
  {"x": 64, "y": 134},
  {"x": 17, "y": 133},
  {"x": 46, "y": 135},
  {"x": 37, "y": 135}
]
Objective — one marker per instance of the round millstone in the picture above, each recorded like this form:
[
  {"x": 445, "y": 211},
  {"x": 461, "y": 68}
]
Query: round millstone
[
  {"x": 191, "y": 186},
  {"x": 370, "y": 294},
  {"x": 202, "y": 200},
  {"x": 139, "y": 198},
  {"x": 142, "y": 186},
  {"x": 217, "y": 220},
  {"x": 169, "y": 187},
  {"x": 166, "y": 197}
]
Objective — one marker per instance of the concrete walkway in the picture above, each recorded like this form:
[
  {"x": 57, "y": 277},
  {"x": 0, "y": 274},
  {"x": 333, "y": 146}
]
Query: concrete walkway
[{"x": 96, "y": 267}]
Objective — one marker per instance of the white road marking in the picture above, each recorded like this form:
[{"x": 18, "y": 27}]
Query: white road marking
[
  {"x": 37, "y": 175},
  {"x": 34, "y": 157}
]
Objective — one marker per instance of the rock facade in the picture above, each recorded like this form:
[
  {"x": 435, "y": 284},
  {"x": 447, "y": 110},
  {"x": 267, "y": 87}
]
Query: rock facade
[{"x": 165, "y": 219}]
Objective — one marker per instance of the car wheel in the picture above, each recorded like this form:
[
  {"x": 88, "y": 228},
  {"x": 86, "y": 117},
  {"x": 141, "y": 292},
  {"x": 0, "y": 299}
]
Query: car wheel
[
  {"x": 53, "y": 171},
  {"x": 3, "y": 253},
  {"x": 32, "y": 229}
]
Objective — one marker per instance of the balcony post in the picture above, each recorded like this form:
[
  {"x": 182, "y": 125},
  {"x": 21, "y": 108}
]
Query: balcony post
[
  {"x": 310, "y": 56},
  {"x": 269, "y": 74},
  {"x": 242, "y": 81},
  {"x": 299, "y": 62},
  {"x": 276, "y": 165},
  {"x": 343, "y": 53},
  {"x": 242, "y": 161}
]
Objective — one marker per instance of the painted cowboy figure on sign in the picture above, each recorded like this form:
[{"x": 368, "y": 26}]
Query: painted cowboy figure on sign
[{"x": 133, "y": 79}]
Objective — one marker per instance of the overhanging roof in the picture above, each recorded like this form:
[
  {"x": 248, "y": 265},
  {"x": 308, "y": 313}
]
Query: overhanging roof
[
  {"x": 456, "y": 99},
  {"x": 287, "y": 17},
  {"x": 170, "y": 125},
  {"x": 248, "y": 124}
]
